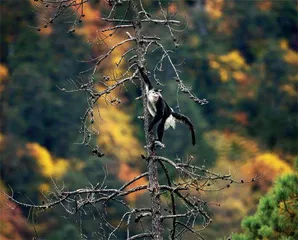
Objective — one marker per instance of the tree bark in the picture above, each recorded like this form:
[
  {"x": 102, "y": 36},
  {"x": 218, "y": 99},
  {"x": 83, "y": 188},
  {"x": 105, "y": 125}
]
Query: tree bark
[{"x": 157, "y": 228}]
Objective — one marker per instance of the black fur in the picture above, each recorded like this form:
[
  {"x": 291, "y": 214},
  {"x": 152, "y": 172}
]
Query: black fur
[
  {"x": 163, "y": 111},
  {"x": 187, "y": 122},
  {"x": 146, "y": 79}
]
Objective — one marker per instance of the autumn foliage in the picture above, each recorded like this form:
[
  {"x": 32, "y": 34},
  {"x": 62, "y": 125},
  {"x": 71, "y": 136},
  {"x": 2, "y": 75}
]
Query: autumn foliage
[
  {"x": 240, "y": 55},
  {"x": 13, "y": 224}
]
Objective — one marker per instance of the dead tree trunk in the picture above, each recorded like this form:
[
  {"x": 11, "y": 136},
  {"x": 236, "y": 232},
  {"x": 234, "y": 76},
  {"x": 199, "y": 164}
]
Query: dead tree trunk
[{"x": 157, "y": 228}]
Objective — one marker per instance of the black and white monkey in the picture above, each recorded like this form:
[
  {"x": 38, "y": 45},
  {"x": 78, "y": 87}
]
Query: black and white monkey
[{"x": 161, "y": 112}]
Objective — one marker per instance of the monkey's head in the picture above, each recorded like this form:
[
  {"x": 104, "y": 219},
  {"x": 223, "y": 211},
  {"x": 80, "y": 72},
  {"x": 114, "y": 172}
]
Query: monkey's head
[{"x": 153, "y": 95}]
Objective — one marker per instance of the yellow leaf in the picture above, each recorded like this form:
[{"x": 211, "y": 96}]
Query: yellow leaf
[
  {"x": 44, "y": 187},
  {"x": 229, "y": 65},
  {"x": 3, "y": 76},
  {"x": 92, "y": 17},
  {"x": 49, "y": 166},
  {"x": 194, "y": 41},
  {"x": 275, "y": 162},
  {"x": 284, "y": 44},
  {"x": 289, "y": 89},
  {"x": 264, "y": 5},
  {"x": 3, "y": 72},
  {"x": 267, "y": 166},
  {"x": 117, "y": 134},
  {"x": 214, "y": 8}
]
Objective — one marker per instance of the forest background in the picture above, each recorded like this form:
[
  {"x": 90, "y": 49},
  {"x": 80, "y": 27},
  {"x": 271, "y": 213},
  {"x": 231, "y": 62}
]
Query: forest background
[{"x": 240, "y": 55}]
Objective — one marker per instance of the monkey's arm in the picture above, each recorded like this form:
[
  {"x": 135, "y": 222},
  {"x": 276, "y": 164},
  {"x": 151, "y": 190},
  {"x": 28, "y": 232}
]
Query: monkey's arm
[{"x": 145, "y": 77}]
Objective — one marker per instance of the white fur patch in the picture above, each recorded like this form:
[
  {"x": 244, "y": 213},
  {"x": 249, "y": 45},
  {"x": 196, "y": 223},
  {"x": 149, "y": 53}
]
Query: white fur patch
[
  {"x": 152, "y": 99},
  {"x": 153, "y": 96},
  {"x": 170, "y": 122},
  {"x": 151, "y": 108}
]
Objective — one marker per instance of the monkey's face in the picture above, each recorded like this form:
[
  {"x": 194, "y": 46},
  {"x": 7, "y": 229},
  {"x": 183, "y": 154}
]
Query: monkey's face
[{"x": 153, "y": 95}]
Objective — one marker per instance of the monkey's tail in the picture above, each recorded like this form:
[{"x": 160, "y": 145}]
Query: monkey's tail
[{"x": 187, "y": 122}]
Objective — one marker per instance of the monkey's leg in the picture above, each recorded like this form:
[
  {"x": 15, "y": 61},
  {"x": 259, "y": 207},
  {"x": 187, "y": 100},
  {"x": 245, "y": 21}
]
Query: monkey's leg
[
  {"x": 155, "y": 120},
  {"x": 160, "y": 130}
]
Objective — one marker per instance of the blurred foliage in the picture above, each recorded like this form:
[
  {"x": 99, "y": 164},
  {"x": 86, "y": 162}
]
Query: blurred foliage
[
  {"x": 277, "y": 213},
  {"x": 125, "y": 174},
  {"x": 229, "y": 65},
  {"x": 50, "y": 167},
  {"x": 3, "y": 76},
  {"x": 237, "y": 201},
  {"x": 231, "y": 146},
  {"x": 267, "y": 165},
  {"x": 13, "y": 225},
  {"x": 18, "y": 166},
  {"x": 116, "y": 131},
  {"x": 240, "y": 55},
  {"x": 115, "y": 126},
  {"x": 33, "y": 107}
]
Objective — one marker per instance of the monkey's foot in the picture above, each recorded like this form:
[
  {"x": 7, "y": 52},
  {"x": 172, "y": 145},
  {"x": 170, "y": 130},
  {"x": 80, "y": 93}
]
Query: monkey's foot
[{"x": 160, "y": 144}]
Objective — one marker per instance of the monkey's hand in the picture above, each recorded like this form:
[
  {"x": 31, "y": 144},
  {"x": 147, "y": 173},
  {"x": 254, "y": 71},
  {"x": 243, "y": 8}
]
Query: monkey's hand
[{"x": 160, "y": 144}]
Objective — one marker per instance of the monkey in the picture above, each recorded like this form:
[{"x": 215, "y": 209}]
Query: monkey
[{"x": 161, "y": 112}]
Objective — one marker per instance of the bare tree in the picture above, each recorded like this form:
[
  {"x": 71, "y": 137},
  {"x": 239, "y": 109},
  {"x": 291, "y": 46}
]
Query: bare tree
[{"x": 183, "y": 189}]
